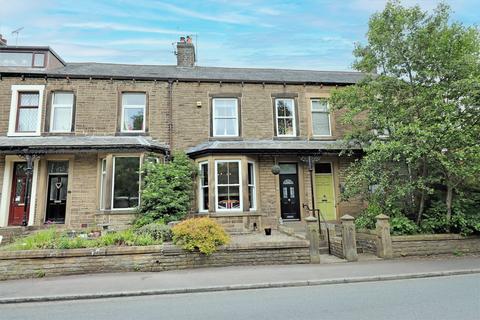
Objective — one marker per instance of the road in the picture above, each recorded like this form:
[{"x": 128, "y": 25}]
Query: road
[{"x": 455, "y": 297}]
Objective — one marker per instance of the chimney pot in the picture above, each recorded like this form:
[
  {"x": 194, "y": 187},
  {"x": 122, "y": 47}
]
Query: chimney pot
[{"x": 185, "y": 53}]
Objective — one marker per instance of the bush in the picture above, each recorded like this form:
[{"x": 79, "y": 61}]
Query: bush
[
  {"x": 167, "y": 191},
  {"x": 367, "y": 220},
  {"x": 126, "y": 238},
  {"x": 203, "y": 234},
  {"x": 157, "y": 231},
  {"x": 401, "y": 225}
]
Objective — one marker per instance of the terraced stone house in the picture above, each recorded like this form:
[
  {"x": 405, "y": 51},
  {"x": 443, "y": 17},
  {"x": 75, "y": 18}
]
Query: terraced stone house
[{"x": 74, "y": 135}]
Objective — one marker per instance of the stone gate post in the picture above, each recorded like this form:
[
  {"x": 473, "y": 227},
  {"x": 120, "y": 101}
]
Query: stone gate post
[
  {"x": 384, "y": 240},
  {"x": 349, "y": 238},
  {"x": 313, "y": 237}
]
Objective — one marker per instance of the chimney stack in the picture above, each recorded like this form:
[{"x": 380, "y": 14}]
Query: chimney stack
[
  {"x": 185, "y": 52},
  {"x": 3, "y": 41}
]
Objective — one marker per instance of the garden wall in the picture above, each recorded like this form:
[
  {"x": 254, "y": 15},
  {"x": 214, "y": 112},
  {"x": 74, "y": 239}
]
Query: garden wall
[
  {"x": 367, "y": 241},
  {"x": 39, "y": 263},
  {"x": 336, "y": 247},
  {"x": 421, "y": 245}
]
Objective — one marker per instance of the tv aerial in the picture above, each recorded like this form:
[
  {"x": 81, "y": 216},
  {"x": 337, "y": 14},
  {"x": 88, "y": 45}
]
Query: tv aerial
[{"x": 16, "y": 32}]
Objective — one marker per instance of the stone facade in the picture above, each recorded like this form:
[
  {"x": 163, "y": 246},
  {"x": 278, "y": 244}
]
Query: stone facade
[
  {"x": 39, "y": 263},
  {"x": 187, "y": 123}
]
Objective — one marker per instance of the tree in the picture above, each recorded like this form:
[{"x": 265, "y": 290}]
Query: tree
[
  {"x": 416, "y": 112},
  {"x": 167, "y": 191}
]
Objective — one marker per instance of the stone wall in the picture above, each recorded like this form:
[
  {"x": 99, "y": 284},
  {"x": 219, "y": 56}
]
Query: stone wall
[
  {"x": 336, "y": 247},
  {"x": 421, "y": 245},
  {"x": 39, "y": 263},
  {"x": 367, "y": 241}
]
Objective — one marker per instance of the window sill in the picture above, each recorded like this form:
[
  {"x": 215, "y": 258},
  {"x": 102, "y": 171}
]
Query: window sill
[
  {"x": 233, "y": 138},
  {"x": 116, "y": 211},
  {"x": 330, "y": 138},
  {"x": 23, "y": 134},
  {"x": 231, "y": 214},
  {"x": 287, "y": 138},
  {"x": 131, "y": 134},
  {"x": 58, "y": 133}
]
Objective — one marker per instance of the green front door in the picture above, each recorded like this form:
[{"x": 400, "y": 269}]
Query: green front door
[{"x": 324, "y": 191}]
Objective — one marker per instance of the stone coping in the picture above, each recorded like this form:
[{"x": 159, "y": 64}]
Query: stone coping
[
  {"x": 432, "y": 237},
  {"x": 166, "y": 248}
]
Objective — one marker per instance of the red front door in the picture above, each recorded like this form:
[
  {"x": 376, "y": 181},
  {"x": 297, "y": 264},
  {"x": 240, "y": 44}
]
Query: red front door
[{"x": 17, "y": 198}]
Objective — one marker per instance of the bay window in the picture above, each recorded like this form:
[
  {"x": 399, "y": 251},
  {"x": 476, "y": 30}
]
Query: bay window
[
  {"x": 126, "y": 182},
  {"x": 61, "y": 112},
  {"x": 225, "y": 117},
  {"x": 320, "y": 117},
  {"x": 103, "y": 179},
  {"x": 285, "y": 117},
  {"x": 203, "y": 185},
  {"x": 252, "y": 199},
  {"x": 133, "y": 112},
  {"x": 228, "y": 185}
]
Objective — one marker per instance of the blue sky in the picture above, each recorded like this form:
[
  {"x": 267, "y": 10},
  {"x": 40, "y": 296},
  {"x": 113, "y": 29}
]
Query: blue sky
[{"x": 312, "y": 34}]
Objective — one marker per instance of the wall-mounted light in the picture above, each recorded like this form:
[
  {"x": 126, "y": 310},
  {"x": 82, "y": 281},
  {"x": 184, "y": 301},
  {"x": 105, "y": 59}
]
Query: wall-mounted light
[{"x": 199, "y": 104}]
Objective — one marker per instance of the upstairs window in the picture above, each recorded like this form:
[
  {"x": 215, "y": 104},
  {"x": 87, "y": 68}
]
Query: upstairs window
[
  {"x": 285, "y": 117},
  {"x": 320, "y": 118},
  {"x": 27, "y": 112},
  {"x": 133, "y": 112},
  {"x": 225, "y": 117},
  {"x": 62, "y": 112},
  {"x": 22, "y": 59}
]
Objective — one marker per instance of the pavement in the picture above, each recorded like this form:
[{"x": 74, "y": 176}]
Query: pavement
[{"x": 111, "y": 285}]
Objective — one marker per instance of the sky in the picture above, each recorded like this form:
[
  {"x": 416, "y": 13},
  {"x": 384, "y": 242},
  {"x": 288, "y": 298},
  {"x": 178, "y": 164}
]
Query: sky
[{"x": 311, "y": 34}]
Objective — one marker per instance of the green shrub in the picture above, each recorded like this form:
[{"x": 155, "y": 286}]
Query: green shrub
[
  {"x": 203, "y": 234},
  {"x": 157, "y": 231},
  {"x": 167, "y": 191},
  {"x": 366, "y": 219},
  {"x": 45, "y": 239},
  {"x": 402, "y": 226}
]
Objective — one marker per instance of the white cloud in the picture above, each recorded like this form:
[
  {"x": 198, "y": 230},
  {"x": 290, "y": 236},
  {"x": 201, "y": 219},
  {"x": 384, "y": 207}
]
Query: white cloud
[{"x": 122, "y": 27}]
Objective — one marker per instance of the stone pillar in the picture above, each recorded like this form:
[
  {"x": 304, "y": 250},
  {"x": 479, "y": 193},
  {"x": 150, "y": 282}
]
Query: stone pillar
[
  {"x": 312, "y": 236},
  {"x": 384, "y": 240},
  {"x": 349, "y": 238}
]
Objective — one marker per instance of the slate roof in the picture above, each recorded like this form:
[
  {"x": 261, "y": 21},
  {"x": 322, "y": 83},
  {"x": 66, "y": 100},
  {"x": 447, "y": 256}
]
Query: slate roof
[
  {"x": 172, "y": 72},
  {"x": 63, "y": 144},
  {"x": 272, "y": 147}
]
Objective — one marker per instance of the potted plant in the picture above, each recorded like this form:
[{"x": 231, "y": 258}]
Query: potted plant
[{"x": 268, "y": 231}]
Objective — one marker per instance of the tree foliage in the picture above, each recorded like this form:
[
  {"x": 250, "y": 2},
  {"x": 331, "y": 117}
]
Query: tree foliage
[
  {"x": 167, "y": 191},
  {"x": 417, "y": 112}
]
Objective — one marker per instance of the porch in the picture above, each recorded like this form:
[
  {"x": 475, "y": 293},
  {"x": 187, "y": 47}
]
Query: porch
[
  {"x": 69, "y": 180},
  {"x": 252, "y": 185}
]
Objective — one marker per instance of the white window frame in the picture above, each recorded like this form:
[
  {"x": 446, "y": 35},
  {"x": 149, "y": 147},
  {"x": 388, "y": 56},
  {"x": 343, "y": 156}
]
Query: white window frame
[
  {"x": 293, "y": 117},
  {"x": 103, "y": 176},
  {"x": 201, "y": 187},
  {"x": 329, "y": 117},
  {"x": 236, "y": 134},
  {"x": 113, "y": 182},
  {"x": 54, "y": 106},
  {"x": 240, "y": 189},
  {"x": 12, "y": 121},
  {"x": 252, "y": 185},
  {"x": 133, "y": 106}
]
